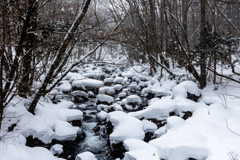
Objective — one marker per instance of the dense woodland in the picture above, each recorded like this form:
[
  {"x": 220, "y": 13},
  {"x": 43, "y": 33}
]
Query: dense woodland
[{"x": 39, "y": 39}]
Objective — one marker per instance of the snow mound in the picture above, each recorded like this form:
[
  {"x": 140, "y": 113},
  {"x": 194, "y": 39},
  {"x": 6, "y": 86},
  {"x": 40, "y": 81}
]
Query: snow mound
[
  {"x": 101, "y": 98},
  {"x": 125, "y": 127},
  {"x": 181, "y": 145},
  {"x": 103, "y": 107},
  {"x": 138, "y": 150},
  {"x": 56, "y": 149},
  {"x": 134, "y": 99},
  {"x": 185, "y": 87},
  {"x": 65, "y": 86},
  {"x": 158, "y": 110},
  {"x": 11, "y": 151},
  {"x": 128, "y": 74},
  {"x": 175, "y": 121},
  {"x": 119, "y": 80},
  {"x": 106, "y": 90},
  {"x": 149, "y": 126},
  {"x": 87, "y": 83},
  {"x": 85, "y": 156},
  {"x": 117, "y": 87},
  {"x": 122, "y": 95},
  {"x": 64, "y": 131},
  {"x": 102, "y": 115}
]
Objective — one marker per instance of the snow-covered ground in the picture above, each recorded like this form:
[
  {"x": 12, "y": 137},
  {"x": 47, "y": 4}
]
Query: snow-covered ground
[{"x": 210, "y": 132}]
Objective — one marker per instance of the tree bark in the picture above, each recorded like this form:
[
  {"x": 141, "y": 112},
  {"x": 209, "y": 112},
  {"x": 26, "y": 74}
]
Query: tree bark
[
  {"x": 60, "y": 55},
  {"x": 203, "y": 74}
]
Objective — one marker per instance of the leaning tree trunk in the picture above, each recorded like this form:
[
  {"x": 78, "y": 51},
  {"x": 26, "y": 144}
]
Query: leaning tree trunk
[{"x": 60, "y": 56}]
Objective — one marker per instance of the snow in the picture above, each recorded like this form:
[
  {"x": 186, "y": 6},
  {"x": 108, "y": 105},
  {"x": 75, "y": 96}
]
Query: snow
[
  {"x": 128, "y": 74},
  {"x": 91, "y": 83},
  {"x": 122, "y": 95},
  {"x": 138, "y": 150},
  {"x": 158, "y": 110},
  {"x": 109, "y": 80},
  {"x": 104, "y": 107},
  {"x": 102, "y": 115},
  {"x": 117, "y": 87},
  {"x": 65, "y": 86},
  {"x": 85, "y": 156},
  {"x": 125, "y": 127},
  {"x": 160, "y": 131},
  {"x": 56, "y": 149},
  {"x": 181, "y": 145},
  {"x": 187, "y": 86},
  {"x": 64, "y": 131},
  {"x": 119, "y": 80},
  {"x": 105, "y": 98},
  {"x": 106, "y": 90},
  {"x": 11, "y": 151},
  {"x": 149, "y": 126},
  {"x": 134, "y": 99}
]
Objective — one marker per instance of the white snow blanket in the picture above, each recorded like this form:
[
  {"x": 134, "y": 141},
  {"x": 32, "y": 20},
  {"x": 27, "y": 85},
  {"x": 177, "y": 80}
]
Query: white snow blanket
[{"x": 125, "y": 127}]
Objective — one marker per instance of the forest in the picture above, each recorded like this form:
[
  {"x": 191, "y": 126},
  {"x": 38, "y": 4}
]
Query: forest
[{"x": 76, "y": 71}]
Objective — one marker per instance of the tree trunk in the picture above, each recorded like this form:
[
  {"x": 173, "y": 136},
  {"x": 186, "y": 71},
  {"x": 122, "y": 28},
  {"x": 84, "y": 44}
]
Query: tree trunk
[
  {"x": 203, "y": 74},
  {"x": 60, "y": 56}
]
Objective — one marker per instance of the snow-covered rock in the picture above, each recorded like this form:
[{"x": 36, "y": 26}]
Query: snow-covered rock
[
  {"x": 133, "y": 87},
  {"x": 104, "y": 99},
  {"x": 85, "y": 156},
  {"x": 108, "y": 81},
  {"x": 64, "y": 131},
  {"x": 103, "y": 107},
  {"x": 87, "y": 84},
  {"x": 160, "y": 109},
  {"x": 119, "y": 80},
  {"x": 133, "y": 102},
  {"x": 101, "y": 116},
  {"x": 117, "y": 87},
  {"x": 56, "y": 149},
  {"x": 182, "y": 89},
  {"x": 149, "y": 126},
  {"x": 106, "y": 90},
  {"x": 125, "y": 127},
  {"x": 13, "y": 151},
  {"x": 65, "y": 86},
  {"x": 181, "y": 145},
  {"x": 139, "y": 150}
]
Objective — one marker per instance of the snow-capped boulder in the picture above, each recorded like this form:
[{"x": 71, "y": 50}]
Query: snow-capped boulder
[
  {"x": 162, "y": 92},
  {"x": 160, "y": 109},
  {"x": 108, "y": 81},
  {"x": 133, "y": 102},
  {"x": 128, "y": 74},
  {"x": 125, "y": 127},
  {"x": 87, "y": 84},
  {"x": 122, "y": 95},
  {"x": 134, "y": 88},
  {"x": 101, "y": 116},
  {"x": 117, "y": 87},
  {"x": 85, "y": 156},
  {"x": 149, "y": 126},
  {"x": 64, "y": 131},
  {"x": 187, "y": 89},
  {"x": 56, "y": 149},
  {"x": 106, "y": 90},
  {"x": 104, "y": 99},
  {"x": 65, "y": 86},
  {"x": 103, "y": 107},
  {"x": 138, "y": 150},
  {"x": 119, "y": 80},
  {"x": 181, "y": 145},
  {"x": 79, "y": 96}
]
